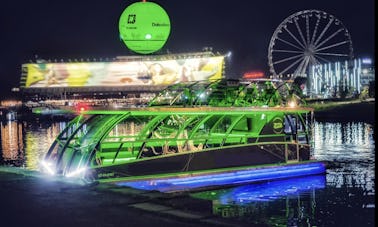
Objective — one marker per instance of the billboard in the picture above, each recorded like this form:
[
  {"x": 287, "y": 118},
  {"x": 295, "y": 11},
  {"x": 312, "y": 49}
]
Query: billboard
[{"x": 121, "y": 73}]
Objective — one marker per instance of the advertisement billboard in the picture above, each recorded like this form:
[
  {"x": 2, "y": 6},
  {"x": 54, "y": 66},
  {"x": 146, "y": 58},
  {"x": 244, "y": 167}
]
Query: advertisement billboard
[
  {"x": 121, "y": 73},
  {"x": 144, "y": 27}
]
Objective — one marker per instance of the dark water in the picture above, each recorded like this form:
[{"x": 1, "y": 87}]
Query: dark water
[{"x": 345, "y": 196}]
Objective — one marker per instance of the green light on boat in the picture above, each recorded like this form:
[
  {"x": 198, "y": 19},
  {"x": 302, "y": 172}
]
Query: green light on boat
[{"x": 144, "y": 27}]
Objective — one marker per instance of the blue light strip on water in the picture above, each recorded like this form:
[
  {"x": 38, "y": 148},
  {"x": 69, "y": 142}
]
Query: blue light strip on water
[
  {"x": 229, "y": 178},
  {"x": 274, "y": 189},
  {"x": 263, "y": 192}
]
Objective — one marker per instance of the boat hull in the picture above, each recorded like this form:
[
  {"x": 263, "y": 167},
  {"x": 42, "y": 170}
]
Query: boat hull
[{"x": 205, "y": 160}]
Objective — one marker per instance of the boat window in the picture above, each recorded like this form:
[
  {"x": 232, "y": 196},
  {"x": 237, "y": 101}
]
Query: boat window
[
  {"x": 127, "y": 130},
  {"x": 168, "y": 127},
  {"x": 223, "y": 125},
  {"x": 290, "y": 124},
  {"x": 205, "y": 128},
  {"x": 243, "y": 125},
  {"x": 295, "y": 127},
  {"x": 293, "y": 124}
]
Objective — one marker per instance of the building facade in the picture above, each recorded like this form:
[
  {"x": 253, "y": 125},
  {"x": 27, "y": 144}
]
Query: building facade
[{"x": 340, "y": 79}]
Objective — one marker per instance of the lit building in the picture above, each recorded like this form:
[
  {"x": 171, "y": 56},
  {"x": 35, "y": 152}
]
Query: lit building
[
  {"x": 367, "y": 72},
  {"x": 332, "y": 79}
]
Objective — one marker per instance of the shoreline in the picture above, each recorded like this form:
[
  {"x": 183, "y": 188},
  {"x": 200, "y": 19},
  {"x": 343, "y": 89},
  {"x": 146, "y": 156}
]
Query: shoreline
[{"x": 360, "y": 111}]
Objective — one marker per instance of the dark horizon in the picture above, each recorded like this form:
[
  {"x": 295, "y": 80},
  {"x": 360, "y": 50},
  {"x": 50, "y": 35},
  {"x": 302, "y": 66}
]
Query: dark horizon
[{"x": 89, "y": 29}]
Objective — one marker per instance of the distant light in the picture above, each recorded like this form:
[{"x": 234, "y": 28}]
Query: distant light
[
  {"x": 229, "y": 54},
  {"x": 365, "y": 71},
  {"x": 366, "y": 61},
  {"x": 202, "y": 95},
  {"x": 253, "y": 75},
  {"x": 81, "y": 107},
  {"x": 292, "y": 103}
]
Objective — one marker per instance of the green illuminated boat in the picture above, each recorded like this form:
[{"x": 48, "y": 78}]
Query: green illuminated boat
[{"x": 188, "y": 129}]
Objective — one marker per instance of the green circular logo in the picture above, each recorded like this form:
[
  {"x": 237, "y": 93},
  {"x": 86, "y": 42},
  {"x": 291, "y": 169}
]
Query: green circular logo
[
  {"x": 144, "y": 27},
  {"x": 277, "y": 124}
]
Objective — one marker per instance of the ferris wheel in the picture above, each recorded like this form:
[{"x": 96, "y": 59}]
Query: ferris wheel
[{"x": 305, "y": 39}]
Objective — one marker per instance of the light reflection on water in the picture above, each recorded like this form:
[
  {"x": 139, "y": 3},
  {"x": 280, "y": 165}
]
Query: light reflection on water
[
  {"x": 350, "y": 148},
  {"x": 289, "y": 202},
  {"x": 347, "y": 198},
  {"x": 24, "y": 144},
  {"x": 12, "y": 145}
]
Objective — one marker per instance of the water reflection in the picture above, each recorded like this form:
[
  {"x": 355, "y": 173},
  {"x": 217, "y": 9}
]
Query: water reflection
[
  {"x": 12, "y": 142},
  {"x": 24, "y": 144},
  {"x": 350, "y": 149},
  {"x": 265, "y": 192},
  {"x": 294, "y": 199},
  {"x": 344, "y": 141},
  {"x": 38, "y": 138},
  {"x": 200, "y": 182}
]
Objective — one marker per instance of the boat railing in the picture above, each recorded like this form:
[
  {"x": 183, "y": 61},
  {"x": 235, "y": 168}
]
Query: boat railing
[
  {"x": 132, "y": 147},
  {"x": 291, "y": 151}
]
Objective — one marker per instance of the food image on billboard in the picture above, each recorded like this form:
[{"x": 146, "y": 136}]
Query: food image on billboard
[{"x": 122, "y": 73}]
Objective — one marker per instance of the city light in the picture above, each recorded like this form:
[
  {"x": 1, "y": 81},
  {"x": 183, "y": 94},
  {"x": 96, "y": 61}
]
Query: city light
[
  {"x": 366, "y": 61},
  {"x": 253, "y": 75},
  {"x": 292, "y": 103},
  {"x": 328, "y": 79},
  {"x": 81, "y": 107}
]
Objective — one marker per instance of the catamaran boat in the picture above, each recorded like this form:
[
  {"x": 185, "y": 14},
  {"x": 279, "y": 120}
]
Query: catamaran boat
[{"x": 192, "y": 129}]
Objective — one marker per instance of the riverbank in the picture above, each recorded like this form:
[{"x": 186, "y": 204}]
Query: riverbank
[{"x": 352, "y": 110}]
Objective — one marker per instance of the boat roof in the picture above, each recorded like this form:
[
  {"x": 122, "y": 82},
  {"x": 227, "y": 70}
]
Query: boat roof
[
  {"x": 224, "y": 96},
  {"x": 231, "y": 93}
]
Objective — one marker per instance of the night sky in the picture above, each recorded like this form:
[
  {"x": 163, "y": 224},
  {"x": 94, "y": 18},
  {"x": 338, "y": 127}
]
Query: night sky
[{"x": 72, "y": 29}]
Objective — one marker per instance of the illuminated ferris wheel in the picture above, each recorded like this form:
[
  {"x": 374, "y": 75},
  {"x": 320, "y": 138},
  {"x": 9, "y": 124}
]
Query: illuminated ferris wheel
[{"x": 307, "y": 38}]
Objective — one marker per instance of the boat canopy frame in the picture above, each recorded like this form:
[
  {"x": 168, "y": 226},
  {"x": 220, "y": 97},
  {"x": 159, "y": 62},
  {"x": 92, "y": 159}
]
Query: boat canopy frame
[
  {"x": 96, "y": 139},
  {"x": 228, "y": 92}
]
